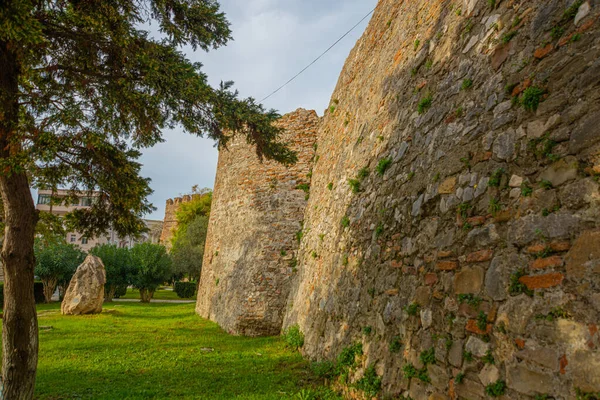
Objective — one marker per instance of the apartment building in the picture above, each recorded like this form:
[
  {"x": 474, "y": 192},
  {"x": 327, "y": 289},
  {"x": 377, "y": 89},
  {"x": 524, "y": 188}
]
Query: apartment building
[{"x": 59, "y": 202}]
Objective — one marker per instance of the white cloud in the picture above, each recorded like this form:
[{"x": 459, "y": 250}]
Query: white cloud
[{"x": 273, "y": 40}]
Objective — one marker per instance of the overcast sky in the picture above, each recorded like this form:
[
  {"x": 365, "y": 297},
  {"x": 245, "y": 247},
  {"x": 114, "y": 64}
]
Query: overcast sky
[{"x": 273, "y": 40}]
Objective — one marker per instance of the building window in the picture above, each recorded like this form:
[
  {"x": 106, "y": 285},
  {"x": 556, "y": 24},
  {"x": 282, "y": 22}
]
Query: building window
[
  {"x": 44, "y": 199},
  {"x": 86, "y": 201},
  {"x": 84, "y": 240},
  {"x": 73, "y": 238}
]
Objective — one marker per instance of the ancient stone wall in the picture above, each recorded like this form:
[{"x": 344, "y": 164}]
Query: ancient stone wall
[
  {"x": 251, "y": 246},
  {"x": 170, "y": 222},
  {"x": 453, "y": 225}
]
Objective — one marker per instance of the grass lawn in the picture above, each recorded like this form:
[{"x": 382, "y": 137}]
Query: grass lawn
[
  {"x": 160, "y": 351},
  {"x": 160, "y": 294}
]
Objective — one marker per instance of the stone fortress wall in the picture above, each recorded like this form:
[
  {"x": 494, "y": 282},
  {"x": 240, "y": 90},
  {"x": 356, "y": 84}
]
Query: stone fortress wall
[
  {"x": 170, "y": 221},
  {"x": 251, "y": 246},
  {"x": 453, "y": 224}
]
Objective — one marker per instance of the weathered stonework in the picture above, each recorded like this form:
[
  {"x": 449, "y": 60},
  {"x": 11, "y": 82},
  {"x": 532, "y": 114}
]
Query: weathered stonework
[
  {"x": 170, "y": 222},
  {"x": 251, "y": 245},
  {"x": 447, "y": 212}
]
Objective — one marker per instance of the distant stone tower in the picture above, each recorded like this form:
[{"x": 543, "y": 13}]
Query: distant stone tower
[
  {"x": 170, "y": 221},
  {"x": 251, "y": 245}
]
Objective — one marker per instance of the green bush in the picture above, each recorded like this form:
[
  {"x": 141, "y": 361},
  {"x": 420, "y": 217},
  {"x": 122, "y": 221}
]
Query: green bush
[
  {"x": 120, "y": 291},
  {"x": 185, "y": 290},
  {"x": 2, "y": 294},
  {"x": 323, "y": 369},
  {"x": 370, "y": 383},
  {"x": 294, "y": 337}
]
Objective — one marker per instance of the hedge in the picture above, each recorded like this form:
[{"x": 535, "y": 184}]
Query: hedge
[{"x": 185, "y": 290}]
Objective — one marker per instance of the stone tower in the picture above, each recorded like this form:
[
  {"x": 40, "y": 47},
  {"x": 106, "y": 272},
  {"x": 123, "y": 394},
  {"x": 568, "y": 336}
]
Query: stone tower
[{"x": 251, "y": 246}]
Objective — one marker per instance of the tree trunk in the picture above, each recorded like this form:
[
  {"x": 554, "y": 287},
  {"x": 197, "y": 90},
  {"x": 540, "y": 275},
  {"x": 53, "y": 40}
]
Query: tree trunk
[
  {"x": 20, "y": 329},
  {"x": 49, "y": 288},
  {"x": 109, "y": 294},
  {"x": 146, "y": 295}
]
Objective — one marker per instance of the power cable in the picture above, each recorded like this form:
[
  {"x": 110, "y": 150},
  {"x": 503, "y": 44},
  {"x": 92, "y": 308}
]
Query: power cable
[{"x": 318, "y": 58}]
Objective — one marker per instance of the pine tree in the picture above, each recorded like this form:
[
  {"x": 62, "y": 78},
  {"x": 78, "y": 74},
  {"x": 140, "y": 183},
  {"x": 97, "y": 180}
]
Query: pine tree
[{"x": 83, "y": 87}]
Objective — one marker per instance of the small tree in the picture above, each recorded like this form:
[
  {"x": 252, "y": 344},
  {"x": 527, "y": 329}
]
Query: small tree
[
  {"x": 56, "y": 263},
  {"x": 152, "y": 267},
  {"x": 117, "y": 262},
  {"x": 188, "y": 249}
]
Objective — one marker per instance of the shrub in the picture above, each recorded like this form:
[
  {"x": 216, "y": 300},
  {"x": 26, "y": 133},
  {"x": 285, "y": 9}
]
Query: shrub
[
  {"x": 384, "y": 165},
  {"x": 396, "y": 344},
  {"x": 185, "y": 290},
  {"x": 117, "y": 263},
  {"x": 294, "y": 337},
  {"x": 428, "y": 356},
  {"x": 425, "y": 103},
  {"x": 412, "y": 309},
  {"x": 354, "y": 185},
  {"x": 120, "y": 291},
  {"x": 347, "y": 357},
  {"x": 323, "y": 369},
  {"x": 496, "y": 389},
  {"x": 370, "y": 383},
  {"x": 56, "y": 262},
  {"x": 531, "y": 98},
  {"x": 152, "y": 267}
]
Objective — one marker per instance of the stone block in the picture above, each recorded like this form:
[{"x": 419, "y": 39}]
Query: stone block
[
  {"x": 468, "y": 280},
  {"x": 561, "y": 171},
  {"x": 584, "y": 367},
  {"x": 527, "y": 381},
  {"x": 447, "y": 186},
  {"x": 548, "y": 262},
  {"x": 477, "y": 346},
  {"x": 585, "y": 249},
  {"x": 542, "y": 281}
]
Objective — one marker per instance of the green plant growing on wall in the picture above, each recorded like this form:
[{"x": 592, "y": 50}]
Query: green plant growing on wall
[
  {"x": 496, "y": 389},
  {"x": 367, "y": 330},
  {"x": 370, "y": 383},
  {"x": 411, "y": 175},
  {"x": 354, "y": 185},
  {"x": 494, "y": 206},
  {"x": 395, "y": 344},
  {"x": 466, "y": 84},
  {"x": 571, "y": 12},
  {"x": 516, "y": 286},
  {"x": 429, "y": 64},
  {"x": 468, "y": 356},
  {"x": 526, "y": 190},
  {"x": 363, "y": 173},
  {"x": 425, "y": 103},
  {"x": 409, "y": 371},
  {"x": 463, "y": 209},
  {"x": 428, "y": 356},
  {"x": 492, "y": 4},
  {"x": 507, "y": 37},
  {"x": 546, "y": 184},
  {"x": 417, "y": 43},
  {"x": 496, "y": 177},
  {"x": 347, "y": 357},
  {"x": 379, "y": 230},
  {"x": 531, "y": 97},
  {"x": 345, "y": 221},
  {"x": 330, "y": 186},
  {"x": 383, "y": 165},
  {"x": 557, "y": 32},
  {"x": 488, "y": 358},
  {"x": 482, "y": 321},
  {"x": 412, "y": 309},
  {"x": 470, "y": 299},
  {"x": 293, "y": 337}
]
